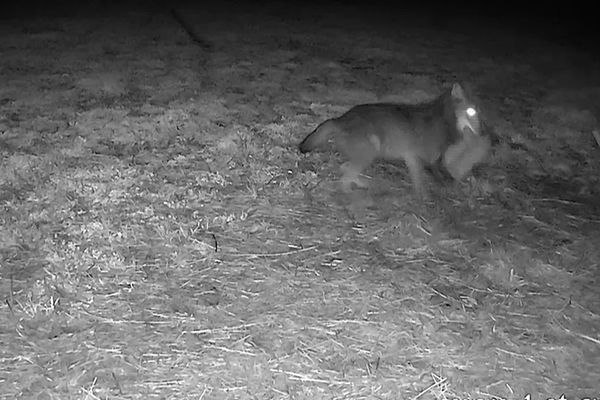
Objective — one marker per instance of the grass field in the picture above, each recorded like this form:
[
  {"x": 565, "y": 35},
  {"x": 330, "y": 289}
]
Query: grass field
[{"x": 162, "y": 238}]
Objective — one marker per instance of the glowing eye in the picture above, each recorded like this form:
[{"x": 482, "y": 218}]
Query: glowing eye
[{"x": 471, "y": 112}]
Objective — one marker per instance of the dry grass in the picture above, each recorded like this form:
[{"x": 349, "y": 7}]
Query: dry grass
[{"x": 161, "y": 237}]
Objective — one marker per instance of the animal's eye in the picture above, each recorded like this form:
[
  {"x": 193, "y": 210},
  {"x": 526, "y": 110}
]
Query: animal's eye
[{"x": 471, "y": 112}]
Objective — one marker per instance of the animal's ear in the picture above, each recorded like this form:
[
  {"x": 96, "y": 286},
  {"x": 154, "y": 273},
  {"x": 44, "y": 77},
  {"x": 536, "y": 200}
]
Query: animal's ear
[{"x": 458, "y": 92}]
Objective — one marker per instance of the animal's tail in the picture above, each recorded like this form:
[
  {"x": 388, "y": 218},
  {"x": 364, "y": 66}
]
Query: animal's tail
[{"x": 318, "y": 138}]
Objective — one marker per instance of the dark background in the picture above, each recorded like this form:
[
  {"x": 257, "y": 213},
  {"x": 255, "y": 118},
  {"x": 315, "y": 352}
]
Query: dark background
[{"x": 567, "y": 23}]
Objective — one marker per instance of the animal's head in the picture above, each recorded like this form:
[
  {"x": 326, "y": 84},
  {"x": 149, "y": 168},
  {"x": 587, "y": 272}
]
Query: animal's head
[
  {"x": 466, "y": 112},
  {"x": 475, "y": 139}
]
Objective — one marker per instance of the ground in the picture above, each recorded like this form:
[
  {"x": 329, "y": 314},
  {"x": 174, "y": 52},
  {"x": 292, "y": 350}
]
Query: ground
[{"x": 162, "y": 238}]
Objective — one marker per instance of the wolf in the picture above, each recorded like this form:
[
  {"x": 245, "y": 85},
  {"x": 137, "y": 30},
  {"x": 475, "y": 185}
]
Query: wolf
[{"x": 445, "y": 132}]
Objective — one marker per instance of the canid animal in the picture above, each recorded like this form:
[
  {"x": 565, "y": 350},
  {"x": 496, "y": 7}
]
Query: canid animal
[{"x": 446, "y": 131}]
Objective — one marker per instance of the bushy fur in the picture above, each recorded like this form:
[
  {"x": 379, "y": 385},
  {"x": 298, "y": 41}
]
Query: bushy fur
[{"x": 445, "y": 131}]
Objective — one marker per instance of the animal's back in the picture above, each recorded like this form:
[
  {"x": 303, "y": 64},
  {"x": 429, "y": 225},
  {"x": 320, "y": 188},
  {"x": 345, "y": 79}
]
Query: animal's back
[{"x": 395, "y": 131}]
